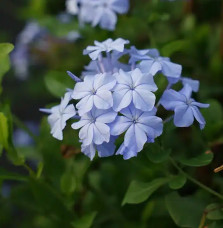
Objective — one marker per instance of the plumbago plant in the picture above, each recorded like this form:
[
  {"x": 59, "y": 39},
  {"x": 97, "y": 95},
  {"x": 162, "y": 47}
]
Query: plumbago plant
[
  {"x": 128, "y": 130},
  {"x": 116, "y": 98},
  {"x": 114, "y": 104}
]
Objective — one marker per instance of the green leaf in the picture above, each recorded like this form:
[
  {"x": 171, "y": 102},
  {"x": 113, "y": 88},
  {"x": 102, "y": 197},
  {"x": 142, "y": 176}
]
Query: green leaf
[
  {"x": 201, "y": 160},
  {"x": 57, "y": 82},
  {"x": 5, "y": 49},
  {"x": 141, "y": 191},
  {"x": 214, "y": 211},
  {"x": 68, "y": 183},
  {"x": 4, "y": 131},
  {"x": 171, "y": 48},
  {"x": 185, "y": 211},
  {"x": 86, "y": 221},
  {"x": 156, "y": 153},
  {"x": 178, "y": 181}
]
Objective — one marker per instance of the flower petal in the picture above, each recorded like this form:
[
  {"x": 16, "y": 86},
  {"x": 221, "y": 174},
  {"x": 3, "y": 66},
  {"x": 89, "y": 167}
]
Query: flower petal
[{"x": 183, "y": 116}]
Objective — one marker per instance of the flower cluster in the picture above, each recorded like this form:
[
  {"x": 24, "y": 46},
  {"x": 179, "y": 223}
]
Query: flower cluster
[
  {"x": 114, "y": 98},
  {"x": 98, "y": 12}
]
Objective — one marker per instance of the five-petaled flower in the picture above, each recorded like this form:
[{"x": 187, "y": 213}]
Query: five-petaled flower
[
  {"x": 59, "y": 115},
  {"x": 94, "y": 91},
  {"x": 134, "y": 87},
  {"x": 105, "y": 46},
  {"x": 184, "y": 107},
  {"x": 140, "y": 127},
  {"x": 94, "y": 126}
]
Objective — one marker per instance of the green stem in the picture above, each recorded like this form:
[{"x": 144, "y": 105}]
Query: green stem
[
  {"x": 196, "y": 181},
  {"x": 29, "y": 169}
]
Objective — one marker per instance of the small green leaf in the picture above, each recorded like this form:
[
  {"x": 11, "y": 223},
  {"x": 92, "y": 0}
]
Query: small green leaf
[
  {"x": 201, "y": 160},
  {"x": 85, "y": 222},
  {"x": 57, "y": 83},
  {"x": 185, "y": 211},
  {"x": 5, "y": 49},
  {"x": 4, "y": 131},
  {"x": 178, "y": 182},
  {"x": 68, "y": 183},
  {"x": 156, "y": 153},
  {"x": 214, "y": 211},
  {"x": 141, "y": 191},
  {"x": 172, "y": 47}
]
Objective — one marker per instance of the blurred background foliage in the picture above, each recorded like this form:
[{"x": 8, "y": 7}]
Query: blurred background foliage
[{"x": 51, "y": 184}]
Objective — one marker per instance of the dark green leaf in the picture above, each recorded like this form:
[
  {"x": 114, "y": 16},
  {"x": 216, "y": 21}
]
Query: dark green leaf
[
  {"x": 156, "y": 153},
  {"x": 185, "y": 211},
  {"x": 215, "y": 211},
  {"x": 178, "y": 181},
  {"x": 201, "y": 160},
  {"x": 86, "y": 221},
  {"x": 141, "y": 191}
]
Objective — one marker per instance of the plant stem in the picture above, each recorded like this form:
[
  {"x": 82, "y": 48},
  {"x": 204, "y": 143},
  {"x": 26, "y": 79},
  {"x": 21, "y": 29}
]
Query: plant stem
[{"x": 196, "y": 181}]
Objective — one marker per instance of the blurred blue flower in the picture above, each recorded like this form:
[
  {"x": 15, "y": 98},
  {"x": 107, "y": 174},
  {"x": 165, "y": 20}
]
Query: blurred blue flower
[
  {"x": 98, "y": 12},
  {"x": 105, "y": 46},
  {"x": 59, "y": 115},
  {"x": 140, "y": 127},
  {"x": 184, "y": 107},
  {"x": 94, "y": 128},
  {"x": 94, "y": 91},
  {"x": 134, "y": 87}
]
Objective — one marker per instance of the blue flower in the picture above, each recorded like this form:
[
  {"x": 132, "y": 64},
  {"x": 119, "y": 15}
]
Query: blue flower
[
  {"x": 154, "y": 63},
  {"x": 134, "y": 87},
  {"x": 94, "y": 91},
  {"x": 105, "y": 13},
  {"x": 98, "y": 12},
  {"x": 94, "y": 128},
  {"x": 184, "y": 107},
  {"x": 140, "y": 127},
  {"x": 105, "y": 46},
  {"x": 59, "y": 115}
]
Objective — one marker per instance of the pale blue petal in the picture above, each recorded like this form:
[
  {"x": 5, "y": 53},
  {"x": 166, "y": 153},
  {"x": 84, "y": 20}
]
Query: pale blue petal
[
  {"x": 186, "y": 91},
  {"x": 183, "y": 116},
  {"x": 171, "y": 99},
  {"x": 170, "y": 69},
  {"x": 120, "y": 125},
  {"x": 200, "y": 105},
  {"x": 107, "y": 149},
  {"x": 101, "y": 133},
  {"x": 122, "y": 99},
  {"x": 106, "y": 117},
  {"x": 194, "y": 84},
  {"x": 103, "y": 99},
  {"x": 143, "y": 99},
  {"x": 198, "y": 116},
  {"x": 89, "y": 150},
  {"x": 120, "y": 6}
]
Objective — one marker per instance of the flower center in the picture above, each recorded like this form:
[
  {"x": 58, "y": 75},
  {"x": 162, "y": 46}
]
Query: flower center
[
  {"x": 93, "y": 91},
  {"x": 189, "y": 101}
]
